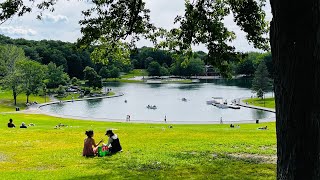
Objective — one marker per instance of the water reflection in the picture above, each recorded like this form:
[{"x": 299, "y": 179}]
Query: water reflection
[
  {"x": 258, "y": 114},
  {"x": 168, "y": 99},
  {"x": 241, "y": 82},
  {"x": 189, "y": 86}
]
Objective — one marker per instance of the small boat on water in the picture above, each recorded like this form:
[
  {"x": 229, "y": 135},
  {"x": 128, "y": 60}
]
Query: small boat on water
[
  {"x": 215, "y": 100},
  {"x": 184, "y": 99},
  {"x": 152, "y": 107}
]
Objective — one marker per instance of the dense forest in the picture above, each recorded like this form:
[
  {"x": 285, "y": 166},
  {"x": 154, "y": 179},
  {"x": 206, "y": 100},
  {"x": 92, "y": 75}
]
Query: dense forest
[{"x": 74, "y": 60}]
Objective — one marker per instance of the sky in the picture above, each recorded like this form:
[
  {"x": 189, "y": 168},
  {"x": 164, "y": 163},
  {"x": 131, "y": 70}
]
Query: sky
[{"x": 62, "y": 24}]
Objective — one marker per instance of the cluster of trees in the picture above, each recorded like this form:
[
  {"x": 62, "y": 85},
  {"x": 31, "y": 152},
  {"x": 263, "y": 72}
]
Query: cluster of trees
[
  {"x": 250, "y": 62},
  {"x": 72, "y": 59},
  {"x": 22, "y": 75}
]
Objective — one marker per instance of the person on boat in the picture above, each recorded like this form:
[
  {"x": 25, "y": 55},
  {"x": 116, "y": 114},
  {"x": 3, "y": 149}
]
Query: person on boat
[
  {"x": 10, "y": 124},
  {"x": 113, "y": 142},
  {"x": 89, "y": 143}
]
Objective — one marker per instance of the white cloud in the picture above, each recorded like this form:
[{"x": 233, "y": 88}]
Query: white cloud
[
  {"x": 17, "y": 31},
  {"x": 55, "y": 18},
  {"x": 63, "y": 25}
]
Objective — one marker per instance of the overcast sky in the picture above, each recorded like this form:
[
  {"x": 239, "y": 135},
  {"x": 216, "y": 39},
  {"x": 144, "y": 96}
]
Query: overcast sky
[{"x": 62, "y": 24}]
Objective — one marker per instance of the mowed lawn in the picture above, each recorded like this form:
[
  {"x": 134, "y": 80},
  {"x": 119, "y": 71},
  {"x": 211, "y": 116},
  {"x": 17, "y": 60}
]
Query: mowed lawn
[
  {"x": 266, "y": 102},
  {"x": 7, "y": 102},
  {"x": 150, "y": 151}
]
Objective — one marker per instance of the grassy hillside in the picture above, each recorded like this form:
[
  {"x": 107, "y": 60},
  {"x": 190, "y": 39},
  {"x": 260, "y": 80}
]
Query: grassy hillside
[
  {"x": 7, "y": 102},
  {"x": 150, "y": 151}
]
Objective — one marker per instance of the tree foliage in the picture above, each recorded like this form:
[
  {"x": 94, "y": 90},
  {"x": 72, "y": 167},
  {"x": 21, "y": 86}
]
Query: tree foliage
[
  {"x": 33, "y": 74},
  {"x": 56, "y": 76},
  {"x": 11, "y": 78},
  {"x": 261, "y": 82},
  {"x": 92, "y": 77}
]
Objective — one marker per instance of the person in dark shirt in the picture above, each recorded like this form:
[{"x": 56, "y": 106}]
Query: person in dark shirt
[
  {"x": 113, "y": 142},
  {"x": 23, "y": 125},
  {"x": 10, "y": 124}
]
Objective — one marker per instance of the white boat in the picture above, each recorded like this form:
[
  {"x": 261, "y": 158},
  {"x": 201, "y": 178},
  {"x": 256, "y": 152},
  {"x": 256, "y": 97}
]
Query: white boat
[{"x": 215, "y": 100}]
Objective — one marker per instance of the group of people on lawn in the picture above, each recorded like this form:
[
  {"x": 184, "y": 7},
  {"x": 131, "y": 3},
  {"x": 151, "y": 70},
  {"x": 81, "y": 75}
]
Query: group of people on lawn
[
  {"x": 11, "y": 125},
  {"x": 90, "y": 147}
]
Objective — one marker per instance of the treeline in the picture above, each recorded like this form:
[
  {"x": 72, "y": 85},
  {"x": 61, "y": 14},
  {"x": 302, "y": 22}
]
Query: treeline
[
  {"x": 74, "y": 60},
  {"x": 250, "y": 62}
]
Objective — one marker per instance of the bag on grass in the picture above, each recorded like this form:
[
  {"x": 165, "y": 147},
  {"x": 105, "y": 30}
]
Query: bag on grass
[{"x": 103, "y": 151}]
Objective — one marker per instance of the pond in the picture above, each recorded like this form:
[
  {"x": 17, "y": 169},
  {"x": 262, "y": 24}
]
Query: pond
[{"x": 168, "y": 99}]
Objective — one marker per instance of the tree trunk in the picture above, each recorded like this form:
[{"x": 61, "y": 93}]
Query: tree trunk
[
  {"x": 295, "y": 46},
  {"x": 28, "y": 98},
  {"x": 14, "y": 93}
]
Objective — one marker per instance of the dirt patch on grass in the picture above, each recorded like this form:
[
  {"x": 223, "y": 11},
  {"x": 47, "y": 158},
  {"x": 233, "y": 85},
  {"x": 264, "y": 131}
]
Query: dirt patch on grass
[
  {"x": 3, "y": 157},
  {"x": 269, "y": 159}
]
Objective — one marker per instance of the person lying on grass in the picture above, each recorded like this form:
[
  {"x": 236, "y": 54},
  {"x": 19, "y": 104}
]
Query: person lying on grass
[
  {"x": 113, "y": 142},
  {"x": 89, "y": 143}
]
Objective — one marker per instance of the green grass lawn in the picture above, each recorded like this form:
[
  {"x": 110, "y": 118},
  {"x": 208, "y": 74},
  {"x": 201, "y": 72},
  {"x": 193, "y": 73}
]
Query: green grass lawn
[
  {"x": 150, "y": 151},
  {"x": 135, "y": 72},
  {"x": 69, "y": 96},
  {"x": 267, "y": 102},
  {"x": 7, "y": 102}
]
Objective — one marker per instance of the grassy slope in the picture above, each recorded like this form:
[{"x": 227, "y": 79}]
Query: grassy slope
[
  {"x": 267, "y": 102},
  {"x": 151, "y": 151},
  {"x": 135, "y": 72},
  {"x": 7, "y": 102},
  {"x": 126, "y": 77}
]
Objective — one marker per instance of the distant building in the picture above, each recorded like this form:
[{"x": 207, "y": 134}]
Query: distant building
[{"x": 211, "y": 71}]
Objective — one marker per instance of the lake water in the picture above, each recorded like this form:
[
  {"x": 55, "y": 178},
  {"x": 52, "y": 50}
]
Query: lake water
[{"x": 167, "y": 98}]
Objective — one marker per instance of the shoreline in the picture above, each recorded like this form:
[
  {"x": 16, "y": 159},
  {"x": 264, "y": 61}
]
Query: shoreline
[{"x": 36, "y": 110}]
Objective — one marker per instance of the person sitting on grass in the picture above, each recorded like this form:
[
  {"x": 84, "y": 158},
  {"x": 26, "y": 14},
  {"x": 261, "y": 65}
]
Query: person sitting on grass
[
  {"x": 89, "y": 143},
  {"x": 263, "y": 128},
  {"x": 23, "y": 125},
  {"x": 10, "y": 124},
  {"x": 113, "y": 142}
]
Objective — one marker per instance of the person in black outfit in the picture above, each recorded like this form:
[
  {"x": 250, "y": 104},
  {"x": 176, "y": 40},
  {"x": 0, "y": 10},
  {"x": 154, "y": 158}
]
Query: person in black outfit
[
  {"x": 23, "y": 125},
  {"x": 10, "y": 124},
  {"x": 113, "y": 142}
]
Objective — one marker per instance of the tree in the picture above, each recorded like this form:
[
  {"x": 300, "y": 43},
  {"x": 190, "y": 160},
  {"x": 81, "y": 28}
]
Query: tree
[
  {"x": 196, "y": 67},
  {"x": 104, "y": 72},
  {"x": 154, "y": 69},
  {"x": 114, "y": 72},
  {"x": 12, "y": 78},
  {"x": 56, "y": 76},
  {"x": 294, "y": 46},
  {"x": 164, "y": 71},
  {"x": 261, "y": 82},
  {"x": 92, "y": 77},
  {"x": 61, "y": 91},
  {"x": 33, "y": 74},
  {"x": 75, "y": 81}
]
